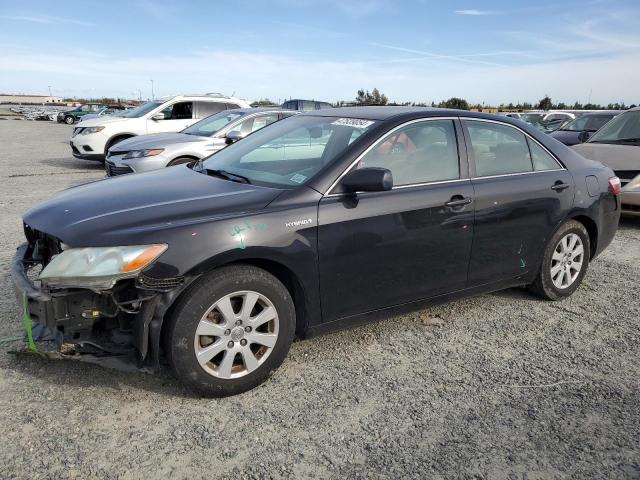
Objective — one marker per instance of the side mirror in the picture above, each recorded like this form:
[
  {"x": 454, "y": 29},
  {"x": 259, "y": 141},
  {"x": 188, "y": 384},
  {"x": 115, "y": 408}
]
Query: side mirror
[
  {"x": 233, "y": 137},
  {"x": 158, "y": 116},
  {"x": 370, "y": 179},
  {"x": 584, "y": 136}
]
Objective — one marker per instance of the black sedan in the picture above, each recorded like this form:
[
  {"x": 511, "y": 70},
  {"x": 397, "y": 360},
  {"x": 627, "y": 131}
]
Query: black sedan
[
  {"x": 320, "y": 221},
  {"x": 579, "y": 130}
]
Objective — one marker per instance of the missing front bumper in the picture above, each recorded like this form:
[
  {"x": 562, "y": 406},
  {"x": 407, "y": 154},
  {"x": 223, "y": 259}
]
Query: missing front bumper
[{"x": 122, "y": 323}]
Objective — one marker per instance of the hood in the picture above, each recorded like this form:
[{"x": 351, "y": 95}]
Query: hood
[
  {"x": 133, "y": 208},
  {"x": 156, "y": 140},
  {"x": 566, "y": 137},
  {"x": 614, "y": 156},
  {"x": 100, "y": 121}
]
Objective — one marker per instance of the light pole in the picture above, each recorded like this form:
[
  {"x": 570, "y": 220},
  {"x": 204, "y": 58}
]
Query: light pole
[
  {"x": 152, "y": 94},
  {"x": 49, "y": 87}
]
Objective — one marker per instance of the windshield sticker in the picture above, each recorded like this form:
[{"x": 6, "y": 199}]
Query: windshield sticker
[
  {"x": 298, "y": 178},
  {"x": 353, "y": 122}
]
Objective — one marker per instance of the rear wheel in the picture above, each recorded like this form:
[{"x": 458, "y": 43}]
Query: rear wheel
[
  {"x": 565, "y": 262},
  {"x": 230, "y": 330}
]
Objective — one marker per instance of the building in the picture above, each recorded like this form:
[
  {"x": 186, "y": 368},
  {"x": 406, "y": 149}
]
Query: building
[{"x": 39, "y": 99}]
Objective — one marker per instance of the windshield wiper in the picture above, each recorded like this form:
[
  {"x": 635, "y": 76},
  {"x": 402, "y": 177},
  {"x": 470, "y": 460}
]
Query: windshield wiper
[{"x": 234, "y": 177}]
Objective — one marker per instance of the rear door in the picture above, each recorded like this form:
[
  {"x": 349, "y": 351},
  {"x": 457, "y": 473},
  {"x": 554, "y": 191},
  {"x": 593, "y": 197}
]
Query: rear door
[
  {"x": 521, "y": 193},
  {"x": 379, "y": 249},
  {"x": 206, "y": 109}
]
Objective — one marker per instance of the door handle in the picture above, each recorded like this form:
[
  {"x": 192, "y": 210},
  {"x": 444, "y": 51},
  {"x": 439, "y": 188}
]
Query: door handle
[
  {"x": 458, "y": 201},
  {"x": 559, "y": 186}
]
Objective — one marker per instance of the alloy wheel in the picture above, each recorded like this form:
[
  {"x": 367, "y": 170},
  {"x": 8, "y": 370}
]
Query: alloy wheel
[
  {"x": 236, "y": 334},
  {"x": 567, "y": 260}
]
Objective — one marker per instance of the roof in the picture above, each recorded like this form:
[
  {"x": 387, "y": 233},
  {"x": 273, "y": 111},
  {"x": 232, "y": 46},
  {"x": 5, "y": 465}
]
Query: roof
[
  {"x": 260, "y": 109},
  {"x": 601, "y": 113},
  {"x": 370, "y": 113}
]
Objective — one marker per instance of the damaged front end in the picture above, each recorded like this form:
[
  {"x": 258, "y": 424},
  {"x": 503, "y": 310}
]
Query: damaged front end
[{"x": 95, "y": 304}]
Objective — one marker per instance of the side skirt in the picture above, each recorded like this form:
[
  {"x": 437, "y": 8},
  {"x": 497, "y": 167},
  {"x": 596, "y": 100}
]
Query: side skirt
[{"x": 383, "y": 313}]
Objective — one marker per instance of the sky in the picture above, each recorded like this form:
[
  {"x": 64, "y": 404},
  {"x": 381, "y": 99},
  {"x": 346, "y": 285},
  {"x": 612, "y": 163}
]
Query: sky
[{"x": 420, "y": 50}]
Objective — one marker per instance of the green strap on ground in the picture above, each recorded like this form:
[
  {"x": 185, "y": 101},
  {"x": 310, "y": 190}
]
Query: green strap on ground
[{"x": 27, "y": 323}]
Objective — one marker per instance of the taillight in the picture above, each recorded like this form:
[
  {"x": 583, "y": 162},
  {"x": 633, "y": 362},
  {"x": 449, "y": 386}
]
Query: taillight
[{"x": 615, "y": 186}]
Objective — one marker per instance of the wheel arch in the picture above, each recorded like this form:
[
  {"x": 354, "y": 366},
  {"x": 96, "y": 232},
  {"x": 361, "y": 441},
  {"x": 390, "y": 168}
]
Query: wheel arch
[
  {"x": 188, "y": 155},
  {"x": 282, "y": 272},
  {"x": 592, "y": 229},
  {"x": 121, "y": 136}
]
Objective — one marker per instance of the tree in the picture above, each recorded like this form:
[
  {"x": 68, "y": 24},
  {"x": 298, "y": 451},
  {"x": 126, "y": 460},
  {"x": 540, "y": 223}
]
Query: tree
[
  {"x": 545, "y": 103},
  {"x": 264, "y": 102},
  {"x": 455, "y": 102},
  {"x": 373, "y": 98}
]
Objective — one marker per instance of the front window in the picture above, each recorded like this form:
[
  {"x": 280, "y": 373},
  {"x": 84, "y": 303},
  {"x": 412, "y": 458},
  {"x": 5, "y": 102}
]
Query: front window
[
  {"x": 142, "y": 109},
  {"x": 623, "y": 129},
  {"x": 291, "y": 152},
  {"x": 418, "y": 153},
  {"x": 212, "y": 124}
]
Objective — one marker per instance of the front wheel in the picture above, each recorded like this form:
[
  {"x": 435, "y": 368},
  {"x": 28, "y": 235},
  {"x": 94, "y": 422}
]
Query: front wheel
[
  {"x": 180, "y": 161},
  {"x": 564, "y": 263},
  {"x": 230, "y": 330},
  {"x": 69, "y": 120}
]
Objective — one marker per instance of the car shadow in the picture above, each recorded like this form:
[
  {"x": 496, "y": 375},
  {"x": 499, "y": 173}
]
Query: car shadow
[
  {"x": 72, "y": 163},
  {"x": 77, "y": 373},
  {"x": 629, "y": 221}
]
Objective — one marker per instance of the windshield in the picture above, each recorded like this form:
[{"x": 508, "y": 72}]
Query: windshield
[
  {"x": 532, "y": 117},
  {"x": 141, "y": 110},
  {"x": 290, "y": 152},
  {"x": 590, "y": 124},
  {"x": 212, "y": 124},
  {"x": 623, "y": 128}
]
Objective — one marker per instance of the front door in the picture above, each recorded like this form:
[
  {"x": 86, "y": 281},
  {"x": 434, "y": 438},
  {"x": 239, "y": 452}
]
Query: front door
[
  {"x": 521, "y": 194},
  {"x": 380, "y": 249},
  {"x": 177, "y": 116}
]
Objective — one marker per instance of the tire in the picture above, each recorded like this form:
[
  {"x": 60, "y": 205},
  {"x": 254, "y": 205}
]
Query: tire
[
  {"x": 69, "y": 120},
  {"x": 180, "y": 161},
  {"x": 237, "y": 364},
  {"x": 560, "y": 275}
]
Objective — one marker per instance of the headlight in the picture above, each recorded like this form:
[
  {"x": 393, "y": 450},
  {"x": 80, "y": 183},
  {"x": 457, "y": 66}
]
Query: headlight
[
  {"x": 143, "y": 153},
  {"x": 98, "y": 267},
  {"x": 88, "y": 130}
]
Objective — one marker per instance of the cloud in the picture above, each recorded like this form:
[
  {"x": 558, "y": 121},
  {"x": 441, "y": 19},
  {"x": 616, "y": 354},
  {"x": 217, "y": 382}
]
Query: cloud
[
  {"x": 451, "y": 58},
  {"x": 47, "y": 20},
  {"x": 283, "y": 76},
  {"x": 475, "y": 13}
]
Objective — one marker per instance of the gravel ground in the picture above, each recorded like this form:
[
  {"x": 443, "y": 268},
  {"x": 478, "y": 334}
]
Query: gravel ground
[{"x": 497, "y": 386}]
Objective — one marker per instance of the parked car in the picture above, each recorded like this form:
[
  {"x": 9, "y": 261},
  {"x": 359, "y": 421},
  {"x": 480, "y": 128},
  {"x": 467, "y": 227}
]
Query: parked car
[
  {"x": 316, "y": 222},
  {"x": 110, "y": 110},
  {"x": 305, "y": 105},
  {"x": 579, "y": 130},
  {"x": 151, "y": 152},
  {"x": 547, "y": 121},
  {"x": 617, "y": 145},
  {"x": 92, "y": 139},
  {"x": 72, "y": 116}
]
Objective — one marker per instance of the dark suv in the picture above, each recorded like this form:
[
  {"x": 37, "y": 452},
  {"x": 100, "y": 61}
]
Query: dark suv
[{"x": 71, "y": 116}]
